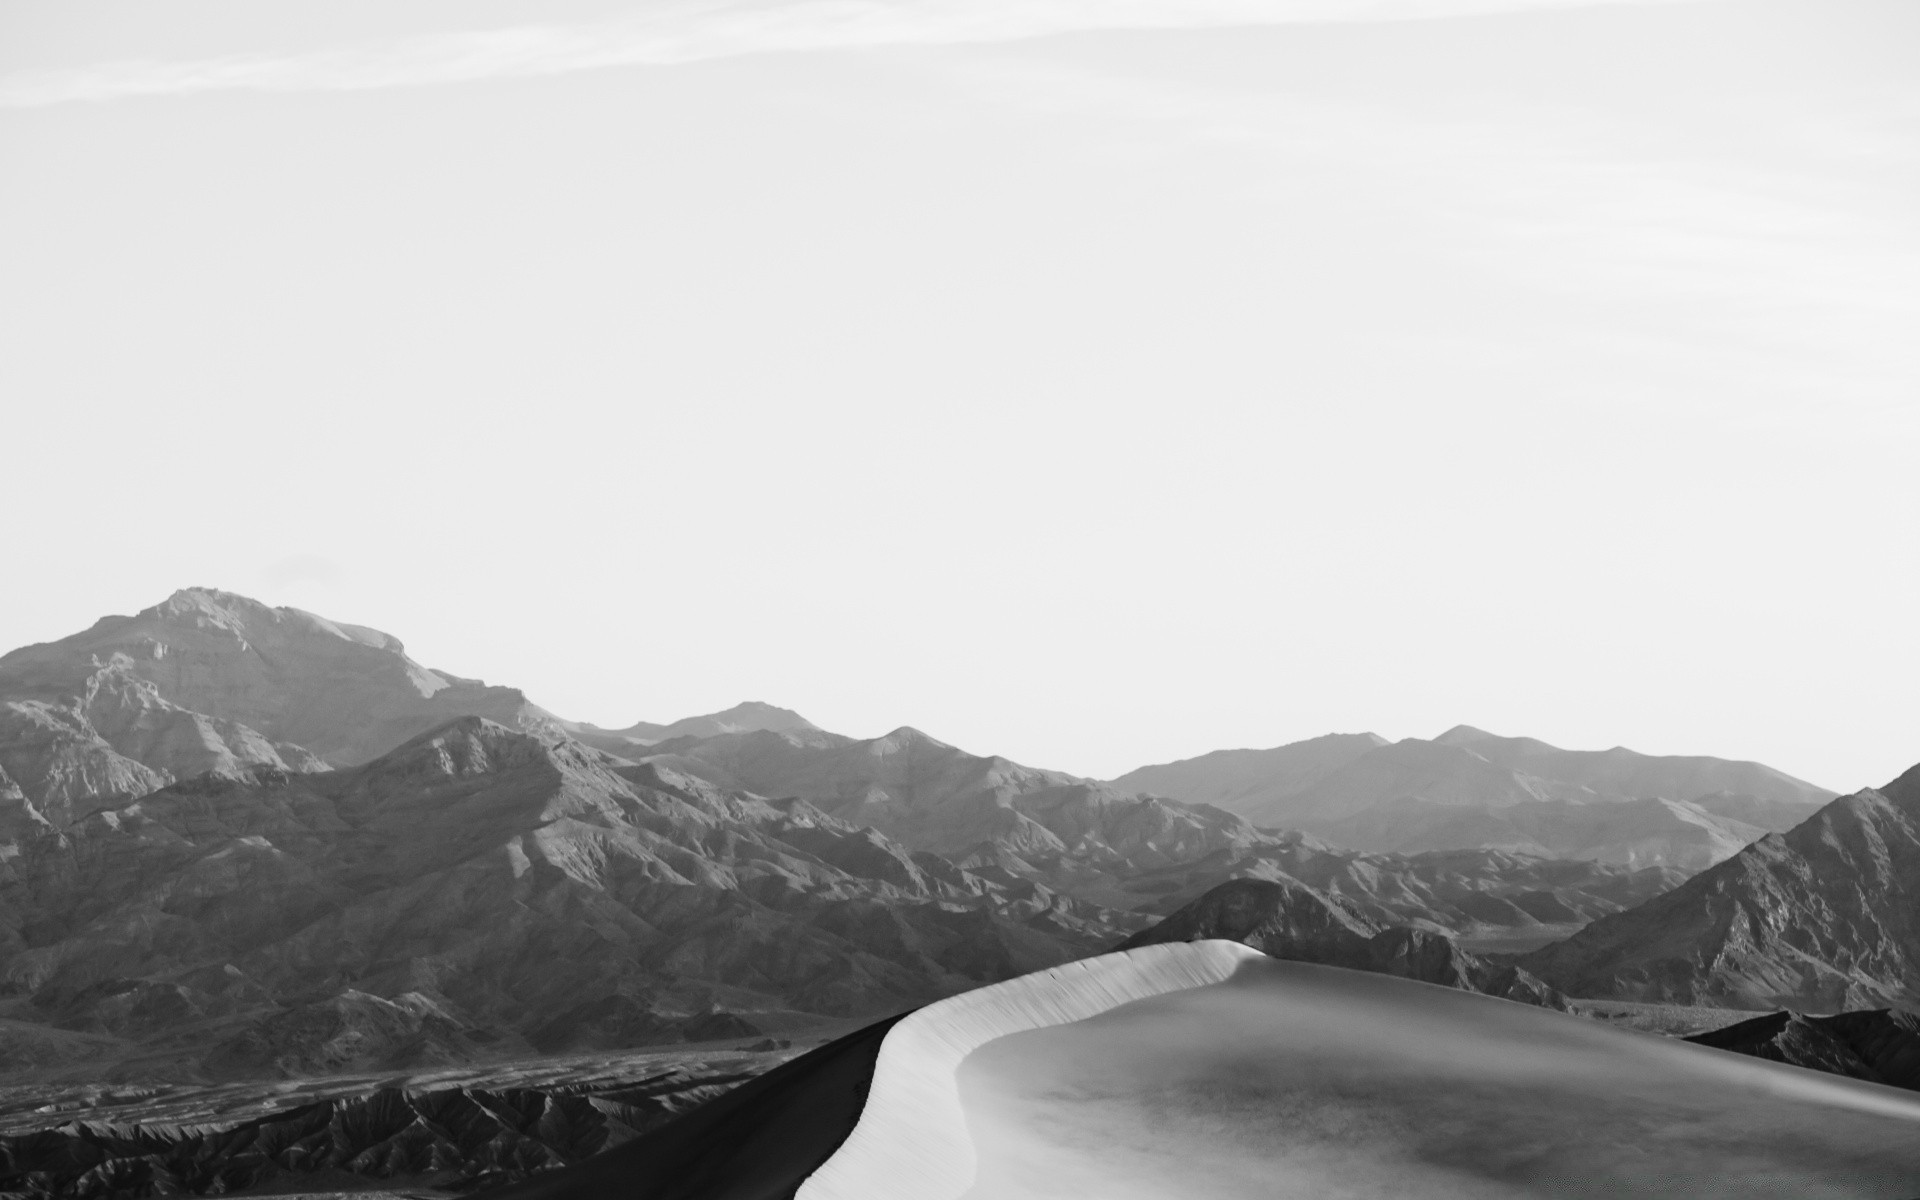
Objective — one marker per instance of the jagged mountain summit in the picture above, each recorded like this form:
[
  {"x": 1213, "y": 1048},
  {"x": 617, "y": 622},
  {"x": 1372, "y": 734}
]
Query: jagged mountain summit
[
  {"x": 1471, "y": 789},
  {"x": 1822, "y": 918}
]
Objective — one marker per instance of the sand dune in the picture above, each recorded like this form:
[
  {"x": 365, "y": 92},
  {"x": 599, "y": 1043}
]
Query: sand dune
[
  {"x": 912, "y": 1137},
  {"x": 1214, "y": 1072}
]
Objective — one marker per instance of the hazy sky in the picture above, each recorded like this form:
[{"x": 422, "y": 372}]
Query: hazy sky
[{"x": 1095, "y": 382}]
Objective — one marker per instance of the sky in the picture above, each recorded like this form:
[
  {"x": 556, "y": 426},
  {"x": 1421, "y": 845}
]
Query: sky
[{"x": 1094, "y": 382}]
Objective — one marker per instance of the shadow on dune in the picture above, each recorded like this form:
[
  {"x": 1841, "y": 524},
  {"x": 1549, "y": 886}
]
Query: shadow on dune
[{"x": 757, "y": 1142}]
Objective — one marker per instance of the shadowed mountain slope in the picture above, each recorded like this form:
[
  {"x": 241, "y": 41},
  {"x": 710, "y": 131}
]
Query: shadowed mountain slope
[
  {"x": 1822, "y": 918},
  {"x": 481, "y": 883},
  {"x": 1877, "y": 1045}
]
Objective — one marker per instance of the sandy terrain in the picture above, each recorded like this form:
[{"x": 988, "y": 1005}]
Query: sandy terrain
[
  {"x": 1296, "y": 1080},
  {"x": 1207, "y": 1072},
  {"x": 911, "y": 1138}
]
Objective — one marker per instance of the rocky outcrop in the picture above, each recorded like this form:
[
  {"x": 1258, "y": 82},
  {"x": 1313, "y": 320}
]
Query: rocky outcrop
[
  {"x": 1293, "y": 921},
  {"x": 1823, "y": 918},
  {"x": 1877, "y": 1045}
]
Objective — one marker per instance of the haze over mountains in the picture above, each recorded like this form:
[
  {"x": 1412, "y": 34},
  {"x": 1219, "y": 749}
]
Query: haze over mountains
[{"x": 1472, "y": 788}]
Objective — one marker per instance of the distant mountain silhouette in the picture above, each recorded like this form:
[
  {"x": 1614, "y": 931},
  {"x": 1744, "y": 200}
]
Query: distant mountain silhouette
[{"x": 1471, "y": 789}]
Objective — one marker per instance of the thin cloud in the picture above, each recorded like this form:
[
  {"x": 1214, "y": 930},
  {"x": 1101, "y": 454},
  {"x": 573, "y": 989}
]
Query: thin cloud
[{"x": 693, "y": 33}]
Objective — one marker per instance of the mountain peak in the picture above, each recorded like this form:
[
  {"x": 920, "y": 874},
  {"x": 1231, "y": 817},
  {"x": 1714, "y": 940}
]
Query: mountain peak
[
  {"x": 906, "y": 738},
  {"x": 1461, "y": 735},
  {"x": 764, "y": 715},
  {"x": 208, "y": 606},
  {"x": 214, "y": 608},
  {"x": 749, "y": 716},
  {"x": 467, "y": 746}
]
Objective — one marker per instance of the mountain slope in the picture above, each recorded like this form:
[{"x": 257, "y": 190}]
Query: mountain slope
[
  {"x": 519, "y": 885},
  {"x": 1822, "y": 918},
  {"x": 211, "y": 681},
  {"x": 983, "y": 811}
]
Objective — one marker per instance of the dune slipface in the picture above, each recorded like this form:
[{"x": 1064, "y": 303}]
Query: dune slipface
[{"x": 1206, "y": 1070}]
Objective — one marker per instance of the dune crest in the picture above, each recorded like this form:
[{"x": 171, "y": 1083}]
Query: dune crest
[{"x": 912, "y": 1138}]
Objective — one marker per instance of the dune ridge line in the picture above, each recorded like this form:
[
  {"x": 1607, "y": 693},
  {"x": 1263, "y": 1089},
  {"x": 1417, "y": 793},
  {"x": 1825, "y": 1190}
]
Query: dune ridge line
[{"x": 911, "y": 1138}]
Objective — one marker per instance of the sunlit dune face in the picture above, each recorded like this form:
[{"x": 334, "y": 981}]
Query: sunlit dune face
[{"x": 1299, "y": 1081}]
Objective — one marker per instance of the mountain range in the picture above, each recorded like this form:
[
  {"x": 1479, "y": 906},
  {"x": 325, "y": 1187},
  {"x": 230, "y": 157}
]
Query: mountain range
[
  {"x": 1142, "y": 853},
  {"x": 242, "y": 840},
  {"x": 1470, "y": 788},
  {"x": 520, "y": 889}
]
